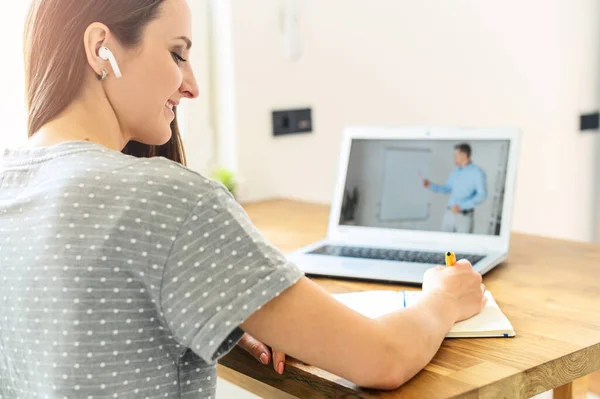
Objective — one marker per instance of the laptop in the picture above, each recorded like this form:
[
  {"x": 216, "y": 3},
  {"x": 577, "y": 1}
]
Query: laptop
[{"x": 405, "y": 196}]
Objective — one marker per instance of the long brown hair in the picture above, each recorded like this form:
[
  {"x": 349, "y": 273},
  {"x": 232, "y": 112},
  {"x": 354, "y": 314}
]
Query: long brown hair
[{"x": 56, "y": 64}]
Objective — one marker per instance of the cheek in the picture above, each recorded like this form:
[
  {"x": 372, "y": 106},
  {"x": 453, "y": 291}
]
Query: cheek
[
  {"x": 158, "y": 81},
  {"x": 165, "y": 77},
  {"x": 143, "y": 92}
]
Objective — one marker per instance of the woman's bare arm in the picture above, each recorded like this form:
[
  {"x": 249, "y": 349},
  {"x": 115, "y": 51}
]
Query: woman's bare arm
[{"x": 309, "y": 324}]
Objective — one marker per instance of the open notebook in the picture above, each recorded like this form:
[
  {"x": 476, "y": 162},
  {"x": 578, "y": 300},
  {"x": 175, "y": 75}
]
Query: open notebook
[{"x": 491, "y": 322}]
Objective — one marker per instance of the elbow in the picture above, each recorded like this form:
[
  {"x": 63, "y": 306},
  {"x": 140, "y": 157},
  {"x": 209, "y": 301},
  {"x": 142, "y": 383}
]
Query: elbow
[
  {"x": 388, "y": 370},
  {"x": 387, "y": 381},
  {"x": 482, "y": 194},
  {"x": 386, "y": 377}
]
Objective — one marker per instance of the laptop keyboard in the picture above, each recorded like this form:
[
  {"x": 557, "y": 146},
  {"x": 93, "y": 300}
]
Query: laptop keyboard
[{"x": 391, "y": 254}]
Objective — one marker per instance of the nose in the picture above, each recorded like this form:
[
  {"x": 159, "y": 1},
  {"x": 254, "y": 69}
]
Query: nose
[{"x": 189, "y": 86}]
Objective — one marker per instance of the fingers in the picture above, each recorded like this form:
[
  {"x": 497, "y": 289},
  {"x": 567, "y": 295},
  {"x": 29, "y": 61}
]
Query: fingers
[
  {"x": 262, "y": 353},
  {"x": 432, "y": 270},
  {"x": 484, "y": 299},
  {"x": 465, "y": 266},
  {"x": 463, "y": 263},
  {"x": 484, "y": 302},
  {"x": 255, "y": 348},
  {"x": 278, "y": 361}
]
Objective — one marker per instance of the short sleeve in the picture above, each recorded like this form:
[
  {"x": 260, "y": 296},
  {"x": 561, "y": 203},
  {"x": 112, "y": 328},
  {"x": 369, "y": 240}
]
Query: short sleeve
[{"x": 220, "y": 270}]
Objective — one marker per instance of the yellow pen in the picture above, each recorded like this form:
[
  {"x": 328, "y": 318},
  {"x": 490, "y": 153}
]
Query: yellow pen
[{"x": 450, "y": 258}]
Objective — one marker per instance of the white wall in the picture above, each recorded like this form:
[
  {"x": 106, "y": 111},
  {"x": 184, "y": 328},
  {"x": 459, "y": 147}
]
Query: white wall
[
  {"x": 532, "y": 64},
  {"x": 195, "y": 115}
]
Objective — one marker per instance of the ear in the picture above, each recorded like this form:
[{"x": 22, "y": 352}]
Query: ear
[{"x": 96, "y": 35}]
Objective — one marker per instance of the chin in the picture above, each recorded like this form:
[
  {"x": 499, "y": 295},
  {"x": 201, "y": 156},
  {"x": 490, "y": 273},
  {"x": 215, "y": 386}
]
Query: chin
[
  {"x": 164, "y": 139},
  {"x": 162, "y": 136}
]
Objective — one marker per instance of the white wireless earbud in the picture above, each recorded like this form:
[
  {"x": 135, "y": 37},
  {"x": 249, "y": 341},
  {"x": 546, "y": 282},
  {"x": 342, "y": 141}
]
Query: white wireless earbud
[{"x": 107, "y": 55}]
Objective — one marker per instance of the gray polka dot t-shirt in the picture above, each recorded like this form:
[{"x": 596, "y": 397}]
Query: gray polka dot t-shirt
[{"x": 121, "y": 276}]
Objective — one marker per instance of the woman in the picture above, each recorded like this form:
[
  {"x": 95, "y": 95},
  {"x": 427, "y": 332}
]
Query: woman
[{"x": 124, "y": 274}]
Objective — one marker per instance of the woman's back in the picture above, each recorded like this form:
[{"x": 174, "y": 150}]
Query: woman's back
[{"x": 113, "y": 266}]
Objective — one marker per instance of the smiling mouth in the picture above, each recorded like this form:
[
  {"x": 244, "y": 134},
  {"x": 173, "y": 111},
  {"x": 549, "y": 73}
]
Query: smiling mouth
[{"x": 171, "y": 104}]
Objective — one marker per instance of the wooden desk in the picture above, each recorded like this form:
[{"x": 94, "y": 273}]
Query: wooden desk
[{"x": 549, "y": 289}]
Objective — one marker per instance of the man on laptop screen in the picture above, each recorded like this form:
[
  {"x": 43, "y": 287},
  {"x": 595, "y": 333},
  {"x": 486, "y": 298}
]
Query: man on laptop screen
[{"x": 466, "y": 186}]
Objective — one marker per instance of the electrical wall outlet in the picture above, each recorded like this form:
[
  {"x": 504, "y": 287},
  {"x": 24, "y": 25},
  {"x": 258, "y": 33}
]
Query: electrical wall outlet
[
  {"x": 292, "y": 121},
  {"x": 589, "y": 121}
]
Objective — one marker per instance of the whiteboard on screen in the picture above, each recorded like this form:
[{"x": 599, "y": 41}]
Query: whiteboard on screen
[{"x": 403, "y": 196}]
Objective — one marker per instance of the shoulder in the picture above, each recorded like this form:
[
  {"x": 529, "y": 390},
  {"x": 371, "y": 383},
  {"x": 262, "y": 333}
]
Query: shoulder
[
  {"x": 476, "y": 172},
  {"x": 477, "y": 169},
  {"x": 171, "y": 177},
  {"x": 158, "y": 180}
]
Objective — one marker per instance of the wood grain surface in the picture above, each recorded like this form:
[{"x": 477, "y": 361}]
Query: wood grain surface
[{"x": 549, "y": 289}]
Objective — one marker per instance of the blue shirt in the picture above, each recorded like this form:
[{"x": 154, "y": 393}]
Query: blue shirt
[{"x": 465, "y": 185}]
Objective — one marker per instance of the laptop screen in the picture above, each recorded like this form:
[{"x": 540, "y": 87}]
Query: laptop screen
[{"x": 428, "y": 185}]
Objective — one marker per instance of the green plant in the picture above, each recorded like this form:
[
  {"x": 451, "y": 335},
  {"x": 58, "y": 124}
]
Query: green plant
[{"x": 226, "y": 177}]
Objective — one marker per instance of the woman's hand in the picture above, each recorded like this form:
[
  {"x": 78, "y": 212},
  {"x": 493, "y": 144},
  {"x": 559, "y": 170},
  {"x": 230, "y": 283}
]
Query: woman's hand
[
  {"x": 262, "y": 353},
  {"x": 461, "y": 284}
]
